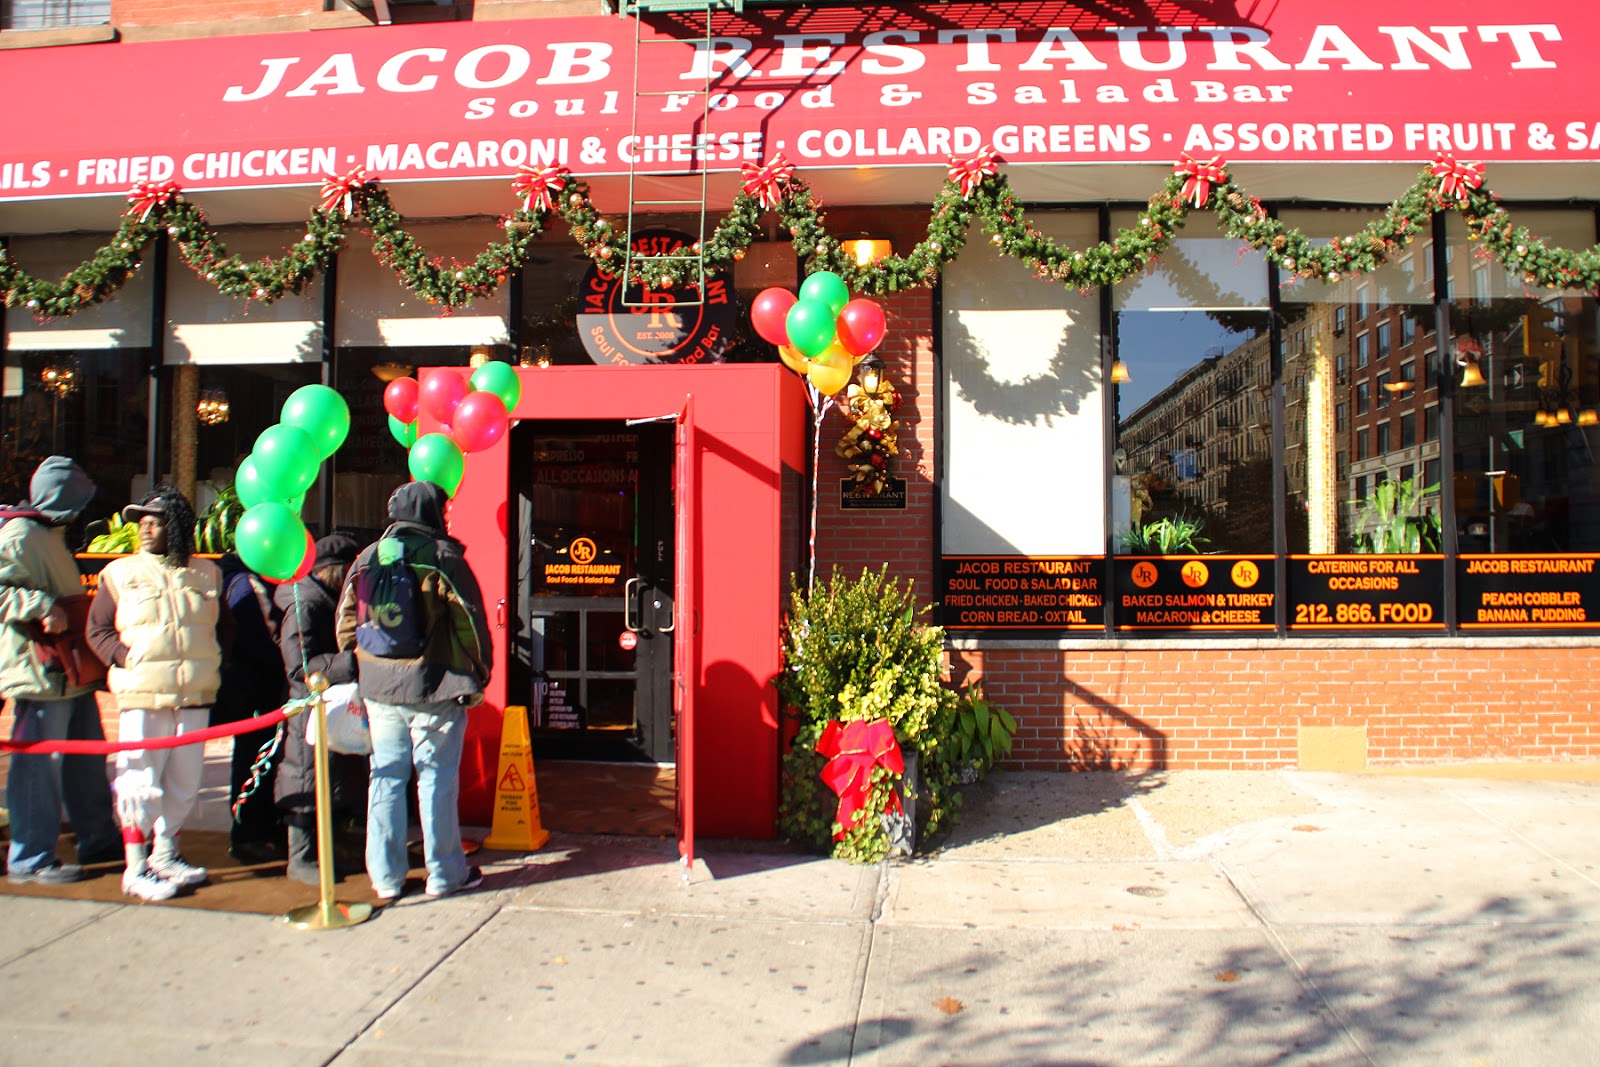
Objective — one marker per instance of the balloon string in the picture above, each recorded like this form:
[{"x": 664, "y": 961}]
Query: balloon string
[{"x": 820, "y": 406}]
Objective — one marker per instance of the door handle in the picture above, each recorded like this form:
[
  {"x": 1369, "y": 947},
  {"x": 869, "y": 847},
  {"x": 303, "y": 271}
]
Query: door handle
[
  {"x": 629, "y": 595},
  {"x": 500, "y": 613},
  {"x": 671, "y": 626}
]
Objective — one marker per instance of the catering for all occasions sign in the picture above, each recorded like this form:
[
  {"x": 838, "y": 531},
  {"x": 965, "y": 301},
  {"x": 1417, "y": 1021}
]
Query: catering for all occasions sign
[{"x": 1363, "y": 80}]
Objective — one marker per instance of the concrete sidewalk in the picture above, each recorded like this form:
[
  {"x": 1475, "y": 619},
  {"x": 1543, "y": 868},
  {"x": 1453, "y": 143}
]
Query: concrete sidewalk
[{"x": 1180, "y": 918}]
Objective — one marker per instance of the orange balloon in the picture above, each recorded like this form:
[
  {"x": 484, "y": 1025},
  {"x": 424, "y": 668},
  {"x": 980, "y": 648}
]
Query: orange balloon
[
  {"x": 793, "y": 359},
  {"x": 830, "y": 370}
]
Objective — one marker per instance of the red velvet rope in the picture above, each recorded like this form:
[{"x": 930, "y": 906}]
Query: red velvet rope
[{"x": 101, "y": 748}]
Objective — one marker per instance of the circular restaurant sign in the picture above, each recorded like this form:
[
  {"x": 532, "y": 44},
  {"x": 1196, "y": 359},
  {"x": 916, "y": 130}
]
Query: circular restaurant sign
[{"x": 628, "y": 324}]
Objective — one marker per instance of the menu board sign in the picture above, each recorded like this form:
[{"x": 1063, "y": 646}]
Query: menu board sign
[
  {"x": 1022, "y": 592},
  {"x": 1362, "y": 592},
  {"x": 1195, "y": 593},
  {"x": 1527, "y": 592}
]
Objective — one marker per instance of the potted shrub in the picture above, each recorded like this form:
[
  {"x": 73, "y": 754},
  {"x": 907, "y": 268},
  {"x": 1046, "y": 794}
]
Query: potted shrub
[{"x": 856, "y": 656}]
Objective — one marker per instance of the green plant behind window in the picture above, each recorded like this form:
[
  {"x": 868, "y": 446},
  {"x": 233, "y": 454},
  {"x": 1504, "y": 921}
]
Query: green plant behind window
[
  {"x": 1393, "y": 522},
  {"x": 1165, "y": 537}
]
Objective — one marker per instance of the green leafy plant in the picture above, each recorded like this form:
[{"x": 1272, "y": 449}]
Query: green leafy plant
[
  {"x": 119, "y": 537},
  {"x": 855, "y": 649},
  {"x": 1393, "y": 522},
  {"x": 1165, "y": 537},
  {"x": 984, "y": 730},
  {"x": 214, "y": 531}
]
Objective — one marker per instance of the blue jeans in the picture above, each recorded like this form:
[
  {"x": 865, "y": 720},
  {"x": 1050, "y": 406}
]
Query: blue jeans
[
  {"x": 430, "y": 738},
  {"x": 38, "y": 785}
]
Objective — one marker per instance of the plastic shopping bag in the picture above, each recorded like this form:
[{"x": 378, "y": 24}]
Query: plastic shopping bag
[{"x": 347, "y": 721}]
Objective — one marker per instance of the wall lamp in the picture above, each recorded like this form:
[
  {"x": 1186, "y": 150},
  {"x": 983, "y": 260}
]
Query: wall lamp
[
  {"x": 1119, "y": 372},
  {"x": 870, "y": 370},
  {"x": 866, "y": 249}
]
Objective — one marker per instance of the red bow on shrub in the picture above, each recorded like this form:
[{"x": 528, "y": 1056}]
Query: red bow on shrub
[
  {"x": 341, "y": 189},
  {"x": 1197, "y": 189},
  {"x": 853, "y": 750},
  {"x": 766, "y": 183},
  {"x": 535, "y": 184},
  {"x": 969, "y": 173},
  {"x": 147, "y": 196},
  {"x": 1456, "y": 178}
]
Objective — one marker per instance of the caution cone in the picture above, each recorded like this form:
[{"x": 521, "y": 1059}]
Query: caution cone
[{"x": 516, "y": 825}]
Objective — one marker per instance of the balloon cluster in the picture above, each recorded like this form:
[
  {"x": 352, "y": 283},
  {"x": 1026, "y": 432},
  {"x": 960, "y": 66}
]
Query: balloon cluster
[
  {"x": 273, "y": 479},
  {"x": 475, "y": 413},
  {"x": 821, "y": 334}
]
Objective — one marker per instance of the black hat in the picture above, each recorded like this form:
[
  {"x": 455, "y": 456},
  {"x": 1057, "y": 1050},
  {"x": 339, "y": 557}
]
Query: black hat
[
  {"x": 154, "y": 504},
  {"x": 336, "y": 548}
]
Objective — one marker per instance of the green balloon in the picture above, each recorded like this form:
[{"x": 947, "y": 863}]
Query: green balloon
[
  {"x": 286, "y": 460},
  {"x": 322, "y": 413},
  {"x": 271, "y": 540},
  {"x": 404, "y": 432},
  {"x": 501, "y": 380},
  {"x": 811, "y": 326},
  {"x": 437, "y": 459},
  {"x": 828, "y": 288},
  {"x": 249, "y": 484}
]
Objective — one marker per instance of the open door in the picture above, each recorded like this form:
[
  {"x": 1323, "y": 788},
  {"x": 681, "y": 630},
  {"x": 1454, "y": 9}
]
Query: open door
[{"x": 686, "y": 625}]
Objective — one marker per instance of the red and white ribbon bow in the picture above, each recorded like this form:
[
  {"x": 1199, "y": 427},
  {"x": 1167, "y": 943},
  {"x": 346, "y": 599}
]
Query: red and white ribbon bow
[
  {"x": 970, "y": 173},
  {"x": 1456, "y": 178},
  {"x": 536, "y": 185},
  {"x": 340, "y": 190},
  {"x": 1200, "y": 176},
  {"x": 853, "y": 750},
  {"x": 766, "y": 183},
  {"x": 147, "y": 196}
]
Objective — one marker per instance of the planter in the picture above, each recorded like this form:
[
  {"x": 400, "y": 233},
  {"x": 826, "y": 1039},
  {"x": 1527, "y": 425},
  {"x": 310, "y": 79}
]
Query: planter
[{"x": 900, "y": 827}]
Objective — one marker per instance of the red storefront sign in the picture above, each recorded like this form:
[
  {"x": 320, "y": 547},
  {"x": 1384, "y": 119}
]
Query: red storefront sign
[{"x": 1360, "y": 81}]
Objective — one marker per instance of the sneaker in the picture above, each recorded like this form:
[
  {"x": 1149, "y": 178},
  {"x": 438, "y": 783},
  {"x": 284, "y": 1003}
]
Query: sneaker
[
  {"x": 50, "y": 874},
  {"x": 178, "y": 871},
  {"x": 473, "y": 880},
  {"x": 388, "y": 896},
  {"x": 146, "y": 884}
]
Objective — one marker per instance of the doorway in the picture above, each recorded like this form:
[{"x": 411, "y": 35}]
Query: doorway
[{"x": 591, "y": 639}]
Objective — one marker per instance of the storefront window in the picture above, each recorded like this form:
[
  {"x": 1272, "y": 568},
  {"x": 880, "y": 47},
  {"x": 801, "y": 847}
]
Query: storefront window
[
  {"x": 80, "y": 385},
  {"x": 1023, "y": 408},
  {"x": 551, "y": 283},
  {"x": 1528, "y": 389},
  {"x": 385, "y": 330}
]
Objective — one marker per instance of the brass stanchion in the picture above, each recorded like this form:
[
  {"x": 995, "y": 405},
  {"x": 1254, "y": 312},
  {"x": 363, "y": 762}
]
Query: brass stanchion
[{"x": 327, "y": 913}]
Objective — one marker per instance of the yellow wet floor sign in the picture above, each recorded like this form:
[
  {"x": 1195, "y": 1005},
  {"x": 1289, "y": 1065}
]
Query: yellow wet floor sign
[{"x": 516, "y": 826}]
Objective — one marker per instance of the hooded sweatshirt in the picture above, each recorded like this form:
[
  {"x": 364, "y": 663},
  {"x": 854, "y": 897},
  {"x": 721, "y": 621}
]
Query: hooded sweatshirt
[
  {"x": 457, "y": 658},
  {"x": 36, "y": 570}
]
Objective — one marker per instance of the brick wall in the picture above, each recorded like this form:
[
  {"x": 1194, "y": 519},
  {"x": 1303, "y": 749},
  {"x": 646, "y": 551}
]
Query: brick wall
[{"x": 1208, "y": 707}]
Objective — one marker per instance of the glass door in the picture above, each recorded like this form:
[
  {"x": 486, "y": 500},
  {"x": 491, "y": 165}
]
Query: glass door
[{"x": 594, "y": 559}]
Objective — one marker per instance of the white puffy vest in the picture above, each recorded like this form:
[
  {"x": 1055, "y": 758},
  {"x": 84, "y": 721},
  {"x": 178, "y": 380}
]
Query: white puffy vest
[{"x": 168, "y": 619}]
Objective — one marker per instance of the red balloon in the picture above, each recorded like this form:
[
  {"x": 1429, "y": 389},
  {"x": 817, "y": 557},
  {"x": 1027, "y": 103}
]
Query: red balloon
[
  {"x": 441, "y": 393},
  {"x": 769, "y": 314},
  {"x": 860, "y": 326},
  {"x": 307, "y": 561},
  {"x": 480, "y": 420},
  {"x": 400, "y": 399}
]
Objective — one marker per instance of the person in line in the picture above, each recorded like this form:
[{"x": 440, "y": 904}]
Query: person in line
[
  {"x": 417, "y": 704},
  {"x": 160, "y": 623},
  {"x": 308, "y": 642},
  {"x": 39, "y": 580},
  {"x": 252, "y": 683}
]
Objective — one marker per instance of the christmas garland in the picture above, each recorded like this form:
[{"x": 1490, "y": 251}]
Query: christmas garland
[{"x": 974, "y": 191}]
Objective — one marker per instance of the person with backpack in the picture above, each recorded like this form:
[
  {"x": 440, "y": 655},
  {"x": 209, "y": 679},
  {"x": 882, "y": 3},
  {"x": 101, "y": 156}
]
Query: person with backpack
[
  {"x": 413, "y": 614},
  {"x": 308, "y": 642},
  {"x": 160, "y": 624},
  {"x": 42, "y": 597}
]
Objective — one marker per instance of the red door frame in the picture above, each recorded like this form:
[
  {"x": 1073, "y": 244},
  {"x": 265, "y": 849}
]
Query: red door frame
[{"x": 749, "y": 447}]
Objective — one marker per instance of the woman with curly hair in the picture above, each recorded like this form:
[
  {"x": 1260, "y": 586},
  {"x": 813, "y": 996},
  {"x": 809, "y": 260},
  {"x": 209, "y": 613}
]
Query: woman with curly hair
[{"x": 155, "y": 621}]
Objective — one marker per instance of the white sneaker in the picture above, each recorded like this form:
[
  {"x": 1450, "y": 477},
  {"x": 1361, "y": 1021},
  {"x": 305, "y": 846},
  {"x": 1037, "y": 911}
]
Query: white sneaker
[
  {"x": 178, "y": 871},
  {"x": 145, "y": 884}
]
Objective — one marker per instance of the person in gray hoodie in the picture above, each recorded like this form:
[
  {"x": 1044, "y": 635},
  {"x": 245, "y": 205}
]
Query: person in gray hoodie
[{"x": 39, "y": 581}]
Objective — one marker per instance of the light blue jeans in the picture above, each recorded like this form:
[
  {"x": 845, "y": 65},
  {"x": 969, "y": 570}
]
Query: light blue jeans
[
  {"x": 430, "y": 738},
  {"x": 37, "y": 786}
]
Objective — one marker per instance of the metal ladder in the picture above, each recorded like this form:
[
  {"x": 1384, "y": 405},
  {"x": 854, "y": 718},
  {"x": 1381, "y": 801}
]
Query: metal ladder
[{"x": 691, "y": 260}]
